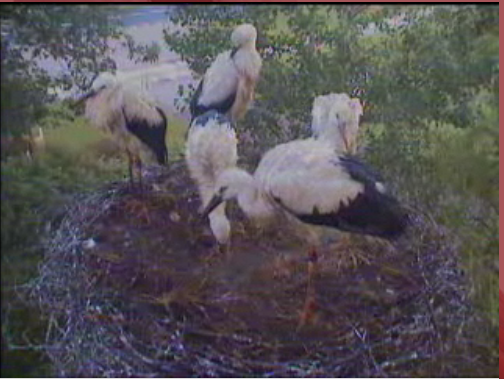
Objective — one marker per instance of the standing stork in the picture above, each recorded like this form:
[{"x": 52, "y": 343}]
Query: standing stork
[
  {"x": 312, "y": 184},
  {"x": 335, "y": 118},
  {"x": 229, "y": 83},
  {"x": 211, "y": 148},
  {"x": 137, "y": 125}
]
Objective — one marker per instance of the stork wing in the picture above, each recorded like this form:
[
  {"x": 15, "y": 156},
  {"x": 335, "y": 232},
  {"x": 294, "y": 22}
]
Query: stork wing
[
  {"x": 321, "y": 187},
  {"x": 307, "y": 175},
  {"x": 220, "y": 82},
  {"x": 140, "y": 106}
]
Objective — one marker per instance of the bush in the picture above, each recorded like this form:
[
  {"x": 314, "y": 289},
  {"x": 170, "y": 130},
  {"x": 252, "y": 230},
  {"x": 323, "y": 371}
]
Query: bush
[
  {"x": 451, "y": 174},
  {"x": 33, "y": 196}
]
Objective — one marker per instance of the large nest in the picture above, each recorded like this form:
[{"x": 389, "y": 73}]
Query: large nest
[{"x": 134, "y": 288}]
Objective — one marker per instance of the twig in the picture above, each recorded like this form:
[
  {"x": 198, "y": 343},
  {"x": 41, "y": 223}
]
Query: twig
[{"x": 362, "y": 337}]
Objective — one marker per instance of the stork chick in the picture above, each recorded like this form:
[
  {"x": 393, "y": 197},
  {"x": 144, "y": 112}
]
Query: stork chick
[
  {"x": 312, "y": 184},
  {"x": 335, "y": 118},
  {"x": 211, "y": 148},
  {"x": 136, "y": 124},
  {"x": 229, "y": 83}
]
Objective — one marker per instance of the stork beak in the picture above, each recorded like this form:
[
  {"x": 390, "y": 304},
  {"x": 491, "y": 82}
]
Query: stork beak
[
  {"x": 214, "y": 203},
  {"x": 344, "y": 137},
  {"x": 85, "y": 97}
]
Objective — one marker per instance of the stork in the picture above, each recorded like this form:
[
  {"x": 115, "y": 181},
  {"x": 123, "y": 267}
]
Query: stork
[
  {"x": 228, "y": 85},
  {"x": 211, "y": 148},
  {"x": 136, "y": 124},
  {"x": 312, "y": 184},
  {"x": 335, "y": 118}
]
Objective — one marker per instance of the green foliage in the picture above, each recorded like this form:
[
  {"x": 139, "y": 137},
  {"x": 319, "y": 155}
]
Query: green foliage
[
  {"x": 427, "y": 69},
  {"x": 451, "y": 174},
  {"x": 31, "y": 191}
]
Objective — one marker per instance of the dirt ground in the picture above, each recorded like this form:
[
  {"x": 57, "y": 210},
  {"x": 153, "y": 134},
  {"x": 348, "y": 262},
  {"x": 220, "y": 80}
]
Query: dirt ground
[{"x": 184, "y": 309}]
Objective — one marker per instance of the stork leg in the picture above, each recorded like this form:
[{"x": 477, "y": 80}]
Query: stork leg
[
  {"x": 220, "y": 250},
  {"x": 130, "y": 167},
  {"x": 309, "y": 304},
  {"x": 139, "y": 168},
  {"x": 224, "y": 249},
  {"x": 136, "y": 205}
]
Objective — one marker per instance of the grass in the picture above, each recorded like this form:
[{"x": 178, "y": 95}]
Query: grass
[
  {"x": 76, "y": 137},
  {"x": 176, "y": 137}
]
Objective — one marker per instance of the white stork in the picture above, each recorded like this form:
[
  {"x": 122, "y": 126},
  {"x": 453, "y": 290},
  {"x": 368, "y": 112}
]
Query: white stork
[
  {"x": 211, "y": 148},
  {"x": 309, "y": 181},
  {"x": 136, "y": 124},
  {"x": 229, "y": 83},
  {"x": 335, "y": 118}
]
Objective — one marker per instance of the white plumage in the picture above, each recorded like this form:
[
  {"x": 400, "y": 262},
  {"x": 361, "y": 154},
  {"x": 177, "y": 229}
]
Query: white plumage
[
  {"x": 136, "y": 123},
  {"x": 309, "y": 180},
  {"x": 211, "y": 149},
  {"x": 335, "y": 118},
  {"x": 229, "y": 83}
]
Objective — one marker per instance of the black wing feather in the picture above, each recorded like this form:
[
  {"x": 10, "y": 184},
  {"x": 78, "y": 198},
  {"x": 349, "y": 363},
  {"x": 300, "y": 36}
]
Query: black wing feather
[
  {"x": 359, "y": 171},
  {"x": 223, "y": 106},
  {"x": 152, "y": 135},
  {"x": 371, "y": 212}
]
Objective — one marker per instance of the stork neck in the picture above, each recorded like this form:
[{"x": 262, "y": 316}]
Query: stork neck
[
  {"x": 248, "y": 45},
  {"x": 253, "y": 202},
  {"x": 334, "y": 136}
]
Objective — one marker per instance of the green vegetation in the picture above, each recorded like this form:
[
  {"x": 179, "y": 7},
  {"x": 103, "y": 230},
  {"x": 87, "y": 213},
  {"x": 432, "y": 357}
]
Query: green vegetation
[{"x": 77, "y": 159}]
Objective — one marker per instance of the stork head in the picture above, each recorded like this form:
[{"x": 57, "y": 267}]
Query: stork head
[
  {"x": 244, "y": 34},
  {"x": 333, "y": 108},
  {"x": 102, "y": 81},
  {"x": 105, "y": 79},
  {"x": 336, "y": 115},
  {"x": 233, "y": 183}
]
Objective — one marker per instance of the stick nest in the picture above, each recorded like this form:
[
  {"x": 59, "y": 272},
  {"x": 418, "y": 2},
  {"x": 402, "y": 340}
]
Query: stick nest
[{"x": 133, "y": 288}]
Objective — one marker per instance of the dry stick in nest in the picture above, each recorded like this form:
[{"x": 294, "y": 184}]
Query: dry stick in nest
[
  {"x": 429, "y": 305},
  {"x": 362, "y": 337}
]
